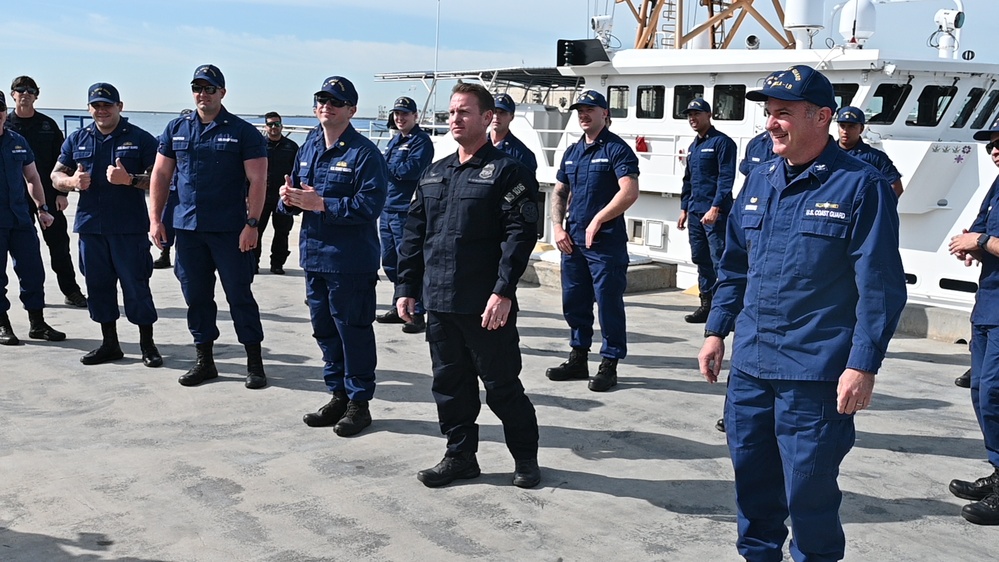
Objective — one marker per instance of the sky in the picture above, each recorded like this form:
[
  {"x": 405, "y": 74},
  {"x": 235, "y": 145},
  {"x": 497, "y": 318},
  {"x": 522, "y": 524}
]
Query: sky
[{"x": 276, "y": 53}]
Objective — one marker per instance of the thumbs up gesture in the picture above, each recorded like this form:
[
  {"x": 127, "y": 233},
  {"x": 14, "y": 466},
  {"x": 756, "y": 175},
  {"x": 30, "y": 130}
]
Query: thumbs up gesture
[
  {"x": 82, "y": 178},
  {"x": 117, "y": 174}
]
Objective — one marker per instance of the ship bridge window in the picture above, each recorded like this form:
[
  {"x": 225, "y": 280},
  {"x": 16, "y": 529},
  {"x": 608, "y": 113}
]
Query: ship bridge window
[
  {"x": 932, "y": 103},
  {"x": 970, "y": 103},
  {"x": 730, "y": 102},
  {"x": 651, "y": 102},
  {"x": 617, "y": 99},
  {"x": 991, "y": 101},
  {"x": 844, "y": 94},
  {"x": 682, "y": 96},
  {"x": 887, "y": 102}
]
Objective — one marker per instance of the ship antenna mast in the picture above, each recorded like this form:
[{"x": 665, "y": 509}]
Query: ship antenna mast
[{"x": 670, "y": 13}]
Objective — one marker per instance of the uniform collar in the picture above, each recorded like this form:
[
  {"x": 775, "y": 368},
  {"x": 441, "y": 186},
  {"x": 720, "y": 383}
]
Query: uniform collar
[
  {"x": 820, "y": 169},
  {"x": 481, "y": 155},
  {"x": 347, "y": 138},
  {"x": 121, "y": 129},
  {"x": 601, "y": 139}
]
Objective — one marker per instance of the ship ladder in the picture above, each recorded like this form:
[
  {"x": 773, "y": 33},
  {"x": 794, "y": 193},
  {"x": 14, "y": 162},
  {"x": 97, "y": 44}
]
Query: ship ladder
[{"x": 668, "y": 27}]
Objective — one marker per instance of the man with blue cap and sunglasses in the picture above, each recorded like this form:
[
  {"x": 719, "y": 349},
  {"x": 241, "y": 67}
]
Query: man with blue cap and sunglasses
[
  {"x": 812, "y": 284},
  {"x": 339, "y": 184},
  {"x": 407, "y": 154},
  {"x": 851, "y": 122},
  {"x": 596, "y": 183},
  {"x": 503, "y": 139},
  {"x": 706, "y": 199},
  {"x": 980, "y": 243},
  {"x": 221, "y": 166}
]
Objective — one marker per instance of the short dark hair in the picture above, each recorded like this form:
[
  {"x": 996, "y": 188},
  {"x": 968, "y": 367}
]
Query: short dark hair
[
  {"x": 23, "y": 82},
  {"x": 272, "y": 115},
  {"x": 486, "y": 102}
]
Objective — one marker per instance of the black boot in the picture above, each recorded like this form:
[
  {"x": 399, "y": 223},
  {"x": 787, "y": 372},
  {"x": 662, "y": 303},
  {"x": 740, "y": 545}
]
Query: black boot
[
  {"x": 354, "y": 420},
  {"x": 984, "y": 512},
  {"x": 416, "y": 326},
  {"x": 460, "y": 467},
  {"x": 7, "y": 336},
  {"x": 150, "y": 355},
  {"x": 606, "y": 375},
  {"x": 163, "y": 262},
  {"x": 977, "y": 490},
  {"x": 110, "y": 349},
  {"x": 390, "y": 317},
  {"x": 330, "y": 413},
  {"x": 573, "y": 369},
  {"x": 204, "y": 367},
  {"x": 700, "y": 315},
  {"x": 255, "y": 376},
  {"x": 39, "y": 330},
  {"x": 964, "y": 381},
  {"x": 526, "y": 473}
]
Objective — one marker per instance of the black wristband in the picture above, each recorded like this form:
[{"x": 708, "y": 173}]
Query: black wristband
[
  {"x": 709, "y": 333},
  {"x": 134, "y": 182}
]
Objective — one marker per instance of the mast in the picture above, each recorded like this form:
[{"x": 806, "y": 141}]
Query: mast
[{"x": 650, "y": 13}]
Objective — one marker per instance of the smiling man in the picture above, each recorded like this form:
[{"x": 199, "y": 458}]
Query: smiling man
[
  {"x": 216, "y": 155},
  {"x": 811, "y": 282},
  {"x": 108, "y": 163}
]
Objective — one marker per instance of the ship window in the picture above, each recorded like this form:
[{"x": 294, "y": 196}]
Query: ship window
[
  {"x": 887, "y": 102},
  {"x": 651, "y": 102},
  {"x": 991, "y": 101},
  {"x": 730, "y": 102},
  {"x": 932, "y": 103},
  {"x": 844, "y": 93},
  {"x": 683, "y": 95},
  {"x": 970, "y": 103},
  {"x": 617, "y": 99}
]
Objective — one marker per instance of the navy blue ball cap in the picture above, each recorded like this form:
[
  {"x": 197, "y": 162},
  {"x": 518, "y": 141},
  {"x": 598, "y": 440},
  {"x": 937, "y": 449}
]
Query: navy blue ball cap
[
  {"x": 211, "y": 74},
  {"x": 798, "y": 83},
  {"x": 850, "y": 114},
  {"x": 341, "y": 89},
  {"x": 698, "y": 104},
  {"x": 986, "y": 134},
  {"x": 103, "y": 92},
  {"x": 504, "y": 102},
  {"x": 405, "y": 104},
  {"x": 590, "y": 97}
]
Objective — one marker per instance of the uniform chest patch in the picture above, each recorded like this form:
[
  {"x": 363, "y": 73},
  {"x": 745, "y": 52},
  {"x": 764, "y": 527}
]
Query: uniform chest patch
[
  {"x": 825, "y": 210},
  {"x": 707, "y": 150},
  {"x": 487, "y": 171},
  {"x": 341, "y": 167},
  {"x": 599, "y": 161}
]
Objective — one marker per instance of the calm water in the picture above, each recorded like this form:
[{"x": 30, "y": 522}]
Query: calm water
[{"x": 154, "y": 121}]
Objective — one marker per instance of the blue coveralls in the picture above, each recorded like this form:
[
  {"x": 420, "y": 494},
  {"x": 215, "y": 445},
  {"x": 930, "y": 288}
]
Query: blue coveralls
[
  {"x": 707, "y": 182},
  {"x": 470, "y": 233},
  {"x": 518, "y": 151},
  {"x": 985, "y": 331},
  {"x": 407, "y": 156},
  {"x": 812, "y": 283},
  {"x": 598, "y": 273},
  {"x": 113, "y": 222},
  {"x": 17, "y": 231},
  {"x": 876, "y": 158},
  {"x": 759, "y": 150},
  {"x": 211, "y": 213},
  {"x": 339, "y": 253}
]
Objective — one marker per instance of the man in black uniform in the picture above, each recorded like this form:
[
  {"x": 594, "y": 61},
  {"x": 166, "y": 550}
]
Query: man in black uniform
[
  {"x": 468, "y": 238},
  {"x": 280, "y": 159},
  {"x": 45, "y": 139}
]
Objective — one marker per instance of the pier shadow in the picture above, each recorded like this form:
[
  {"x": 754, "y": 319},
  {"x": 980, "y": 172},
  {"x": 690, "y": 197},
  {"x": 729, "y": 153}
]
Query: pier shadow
[
  {"x": 31, "y": 547},
  {"x": 955, "y": 447}
]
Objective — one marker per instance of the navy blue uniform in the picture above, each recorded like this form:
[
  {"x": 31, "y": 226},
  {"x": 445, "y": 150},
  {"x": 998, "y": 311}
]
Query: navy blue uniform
[
  {"x": 280, "y": 161},
  {"x": 759, "y": 150},
  {"x": 113, "y": 222},
  {"x": 407, "y": 157},
  {"x": 17, "y": 231},
  {"x": 339, "y": 253},
  {"x": 812, "y": 283},
  {"x": 45, "y": 138},
  {"x": 985, "y": 331},
  {"x": 470, "y": 233},
  {"x": 518, "y": 151},
  {"x": 875, "y": 158},
  {"x": 210, "y": 214},
  {"x": 707, "y": 183},
  {"x": 598, "y": 273}
]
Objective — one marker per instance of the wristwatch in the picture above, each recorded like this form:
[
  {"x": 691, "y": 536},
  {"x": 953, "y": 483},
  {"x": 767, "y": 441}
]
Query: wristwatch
[
  {"x": 983, "y": 240},
  {"x": 134, "y": 182},
  {"x": 252, "y": 223},
  {"x": 44, "y": 208},
  {"x": 709, "y": 333}
]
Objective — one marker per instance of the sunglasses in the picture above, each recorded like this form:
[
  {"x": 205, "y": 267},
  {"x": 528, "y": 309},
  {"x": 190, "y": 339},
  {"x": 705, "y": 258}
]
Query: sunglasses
[
  {"x": 323, "y": 100},
  {"x": 26, "y": 90},
  {"x": 197, "y": 89},
  {"x": 991, "y": 146},
  {"x": 273, "y": 124}
]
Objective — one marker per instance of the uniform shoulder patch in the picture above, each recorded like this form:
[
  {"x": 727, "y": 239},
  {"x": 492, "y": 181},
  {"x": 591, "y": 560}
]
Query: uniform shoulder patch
[{"x": 514, "y": 193}]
